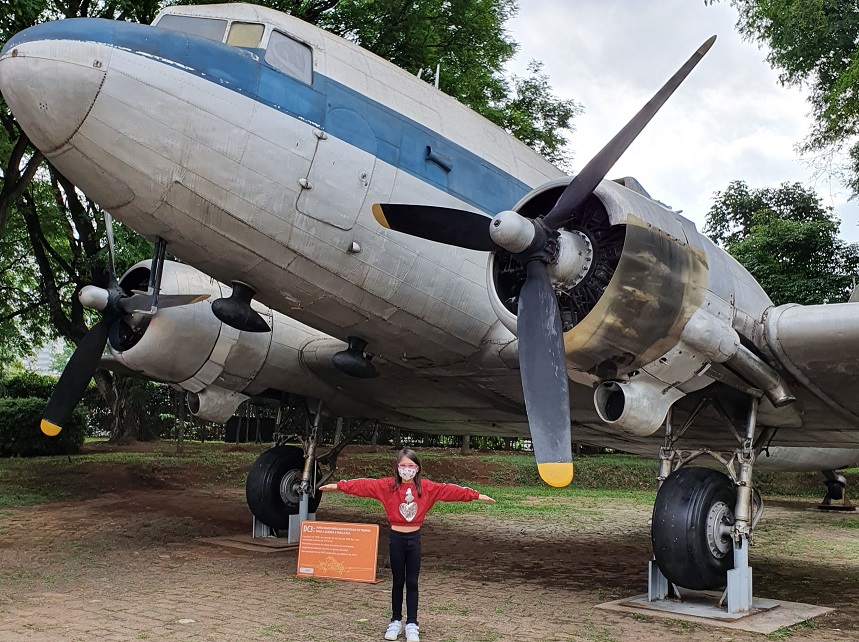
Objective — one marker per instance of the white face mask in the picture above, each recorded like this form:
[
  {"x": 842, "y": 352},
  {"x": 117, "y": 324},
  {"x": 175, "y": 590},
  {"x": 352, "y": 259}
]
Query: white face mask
[{"x": 406, "y": 473}]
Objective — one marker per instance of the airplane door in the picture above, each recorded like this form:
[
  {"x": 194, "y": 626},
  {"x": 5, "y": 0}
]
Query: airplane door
[{"x": 339, "y": 176}]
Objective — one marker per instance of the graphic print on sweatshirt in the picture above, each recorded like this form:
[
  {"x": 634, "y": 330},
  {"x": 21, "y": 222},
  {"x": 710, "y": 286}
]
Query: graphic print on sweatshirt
[{"x": 409, "y": 507}]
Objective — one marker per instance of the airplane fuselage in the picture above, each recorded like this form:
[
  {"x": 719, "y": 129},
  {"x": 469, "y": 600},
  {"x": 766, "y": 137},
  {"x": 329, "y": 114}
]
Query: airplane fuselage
[{"x": 252, "y": 174}]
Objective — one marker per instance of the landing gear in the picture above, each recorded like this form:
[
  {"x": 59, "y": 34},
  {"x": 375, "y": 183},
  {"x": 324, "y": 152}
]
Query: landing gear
[
  {"x": 703, "y": 519},
  {"x": 836, "y": 489},
  {"x": 692, "y": 522},
  {"x": 273, "y": 486},
  {"x": 282, "y": 485}
]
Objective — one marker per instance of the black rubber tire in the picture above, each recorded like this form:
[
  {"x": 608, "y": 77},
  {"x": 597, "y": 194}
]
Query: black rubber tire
[
  {"x": 835, "y": 489},
  {"x": 263, "y": 485},
  {"x": 679, "y": 530}
]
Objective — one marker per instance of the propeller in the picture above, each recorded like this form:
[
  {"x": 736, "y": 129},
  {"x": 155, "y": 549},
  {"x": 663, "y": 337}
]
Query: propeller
[
  {"x": 113, "y": 303},
  {"x": 537, "y": 244}
]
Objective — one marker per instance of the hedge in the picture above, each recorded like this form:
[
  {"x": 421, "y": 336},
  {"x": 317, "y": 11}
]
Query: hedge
[
  {"x": 20, "y": 434},
  {"x": 27, "y": 384}
]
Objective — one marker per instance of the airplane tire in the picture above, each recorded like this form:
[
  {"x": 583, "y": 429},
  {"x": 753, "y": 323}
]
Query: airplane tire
[
  {"x": 691, "y": 517},
  {"x": 277, "y": 468}
]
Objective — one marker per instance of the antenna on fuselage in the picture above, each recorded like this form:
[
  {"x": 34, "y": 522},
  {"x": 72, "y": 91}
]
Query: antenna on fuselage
[{"x": 437, "y": 74}]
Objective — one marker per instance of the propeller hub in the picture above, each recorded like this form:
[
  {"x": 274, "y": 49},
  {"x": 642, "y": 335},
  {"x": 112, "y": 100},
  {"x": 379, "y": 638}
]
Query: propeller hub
[
  {"x": 575, "y": 258},
  {"x": 94, "y": 298},
  {"x": 512, "y": 231}
]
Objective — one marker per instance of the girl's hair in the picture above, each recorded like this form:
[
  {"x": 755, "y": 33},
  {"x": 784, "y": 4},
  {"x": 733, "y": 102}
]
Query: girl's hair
[{"x": 410, "y": 454}]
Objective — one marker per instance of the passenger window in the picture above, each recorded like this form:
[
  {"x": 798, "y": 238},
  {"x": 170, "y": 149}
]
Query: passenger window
[
  {"x": 202, "y": 27},
  {"x": 290, "y": 56},
  {"x": 245, "y": 34}
]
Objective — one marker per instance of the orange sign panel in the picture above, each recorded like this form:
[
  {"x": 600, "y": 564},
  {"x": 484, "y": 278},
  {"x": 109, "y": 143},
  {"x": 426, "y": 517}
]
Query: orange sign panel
[{"x": 338, "y": 550}]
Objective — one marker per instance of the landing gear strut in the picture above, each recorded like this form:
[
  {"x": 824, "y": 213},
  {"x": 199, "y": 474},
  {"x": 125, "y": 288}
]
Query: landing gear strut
[{"x": 703, "y": 519}]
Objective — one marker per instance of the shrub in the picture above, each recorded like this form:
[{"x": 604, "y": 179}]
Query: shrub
[
  {"x": 28, "y": 384},
  {"x": 20, "y": 434}
]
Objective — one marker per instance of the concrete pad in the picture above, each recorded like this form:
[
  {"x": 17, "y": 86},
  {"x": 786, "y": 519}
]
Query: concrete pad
[
  {"x": 703, "y": 607},
  {"x": 250, "y": 543}
]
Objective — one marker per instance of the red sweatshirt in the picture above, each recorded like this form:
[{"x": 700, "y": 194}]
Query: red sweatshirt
[{"x": 403, "y": 506}]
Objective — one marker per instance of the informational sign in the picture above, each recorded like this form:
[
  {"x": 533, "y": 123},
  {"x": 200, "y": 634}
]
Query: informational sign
[{"x": 338, "y": 550}]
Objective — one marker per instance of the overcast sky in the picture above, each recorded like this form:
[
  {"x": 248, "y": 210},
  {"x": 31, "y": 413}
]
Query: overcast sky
[{"x": 729, "y": 120}]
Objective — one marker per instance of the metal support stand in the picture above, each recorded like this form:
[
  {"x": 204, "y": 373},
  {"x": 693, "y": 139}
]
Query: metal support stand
[
  {"x": 740, "y": 580},
  {"x": 293, "y": 535},
  {"x": 658, "y": 587}
]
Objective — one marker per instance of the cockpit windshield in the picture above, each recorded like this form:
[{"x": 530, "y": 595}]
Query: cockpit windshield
[
  {"x": 210, "y": 28},
  {"x": 245, "y": 34},
  {"x": 286, "y": 54}
]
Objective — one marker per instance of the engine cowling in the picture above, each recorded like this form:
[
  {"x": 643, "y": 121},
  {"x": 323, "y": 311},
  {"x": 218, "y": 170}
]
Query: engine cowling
[
  {"x": 658, "y": 302},
  {"x": 187, "y": 346}
]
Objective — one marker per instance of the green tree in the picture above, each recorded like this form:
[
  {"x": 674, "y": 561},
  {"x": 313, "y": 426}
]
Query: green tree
[
  {"x": 814, "y": 44},
  {"x": 787, "y": 240}
]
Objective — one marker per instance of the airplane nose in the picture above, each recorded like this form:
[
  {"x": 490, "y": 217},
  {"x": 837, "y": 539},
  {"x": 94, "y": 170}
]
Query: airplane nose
[{"x": 51, "y": 84}]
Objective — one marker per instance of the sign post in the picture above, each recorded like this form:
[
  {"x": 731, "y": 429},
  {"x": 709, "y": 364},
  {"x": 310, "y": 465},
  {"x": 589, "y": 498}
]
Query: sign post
[{"x": 339, "y": 550}]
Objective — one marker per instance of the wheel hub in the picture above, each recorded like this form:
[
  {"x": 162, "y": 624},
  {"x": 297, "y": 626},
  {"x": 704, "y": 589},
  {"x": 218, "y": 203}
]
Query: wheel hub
[
  {"x": 290, "y": 486},
  {"x": 719, "y": 521}
]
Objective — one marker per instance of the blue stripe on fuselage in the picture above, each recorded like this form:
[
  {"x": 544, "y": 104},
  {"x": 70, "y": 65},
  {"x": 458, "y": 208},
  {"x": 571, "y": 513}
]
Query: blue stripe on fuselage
[{"x": 401, "y": 142}]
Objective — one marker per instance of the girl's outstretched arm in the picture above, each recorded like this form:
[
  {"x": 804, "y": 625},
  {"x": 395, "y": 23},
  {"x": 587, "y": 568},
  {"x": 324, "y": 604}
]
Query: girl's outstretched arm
[
  {"x": 328, "y": 487},
  {"x": 484, "y": 498}
]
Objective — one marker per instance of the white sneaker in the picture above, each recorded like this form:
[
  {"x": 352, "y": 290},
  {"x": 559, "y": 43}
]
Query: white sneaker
[
  {"x": 412, "y": 633},
  {"x": 394, "y": 630}
]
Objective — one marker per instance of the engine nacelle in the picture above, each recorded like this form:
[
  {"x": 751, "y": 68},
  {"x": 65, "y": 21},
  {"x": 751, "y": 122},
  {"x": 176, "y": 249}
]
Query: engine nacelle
[
  {"x": 659, "y": 299},
  {"x": 220, "y": 366},
  {"x": 187, "y": 345}
]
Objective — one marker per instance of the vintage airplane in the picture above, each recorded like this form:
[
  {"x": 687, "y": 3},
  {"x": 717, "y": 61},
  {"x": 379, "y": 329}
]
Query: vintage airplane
[{"x": 414, "y": 264}]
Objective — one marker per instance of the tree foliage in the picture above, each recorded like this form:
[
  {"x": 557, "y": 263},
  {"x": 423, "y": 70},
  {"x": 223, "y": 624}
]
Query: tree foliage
[
  {"x": 814, "y": 44},
  {"x": 787, "y": 240}
]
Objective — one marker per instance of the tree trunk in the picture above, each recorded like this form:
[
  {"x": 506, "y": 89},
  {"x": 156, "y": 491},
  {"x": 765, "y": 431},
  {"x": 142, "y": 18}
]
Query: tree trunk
[
  {"x": 180, "y": 433},
  {"x": 338, "y": 431},
  {"x": 127, "y": 410},
  {"x": 398, "y": 438},
  {"x": 374, "y": 440},
  {"x": 466, "y": 441}
]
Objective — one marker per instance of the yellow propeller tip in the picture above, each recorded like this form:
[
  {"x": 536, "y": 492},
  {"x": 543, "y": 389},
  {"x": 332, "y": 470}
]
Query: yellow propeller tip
[
  {"x": 51, "y": 430},
  {"x": 556, "y": 474},
  {"x": 379, "y": 215}
]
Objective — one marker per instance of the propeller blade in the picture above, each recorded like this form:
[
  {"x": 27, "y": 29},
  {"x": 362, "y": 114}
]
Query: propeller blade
[
  {"x": 587, "y": 180},
  {"x": 75, "y": 378},
  {"x": 142, "y": 302},
  {"x": 108, "y": 229},
  {"x": 544, "y": 376},
  {"x": 461, "y": 228}
]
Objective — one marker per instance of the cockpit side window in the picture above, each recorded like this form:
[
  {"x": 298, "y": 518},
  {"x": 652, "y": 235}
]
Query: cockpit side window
[
  {"x": 245, "y": 34},
  {"x": 203, "y": 27},
  {"x": 290, "y": 56}
]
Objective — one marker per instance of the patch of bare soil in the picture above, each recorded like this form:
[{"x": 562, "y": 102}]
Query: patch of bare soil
[{"x": 129, "y": 565}]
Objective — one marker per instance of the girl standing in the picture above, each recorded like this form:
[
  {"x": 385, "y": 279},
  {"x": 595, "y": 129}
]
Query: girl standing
[{"x": 407, "y": 499}]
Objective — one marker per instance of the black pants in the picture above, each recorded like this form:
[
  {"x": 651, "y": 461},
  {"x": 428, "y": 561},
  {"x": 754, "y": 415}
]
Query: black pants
[{"x": 405, "y": 566}]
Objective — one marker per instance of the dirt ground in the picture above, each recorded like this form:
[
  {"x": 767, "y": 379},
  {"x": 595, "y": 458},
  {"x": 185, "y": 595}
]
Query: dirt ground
[{"x": 129, "y": 565}]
